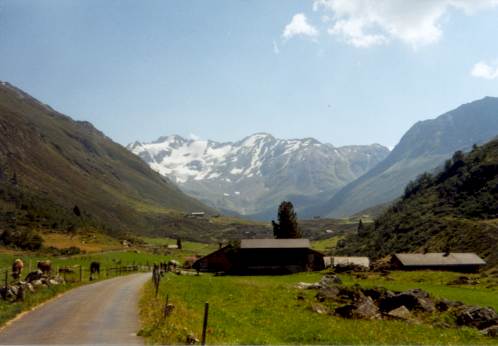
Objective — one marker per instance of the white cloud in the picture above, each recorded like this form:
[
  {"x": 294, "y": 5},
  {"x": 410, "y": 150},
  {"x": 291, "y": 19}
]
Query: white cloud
[
  {"x": 299, "y": 26},
  {"x": 365, "y": 23},
  {"x": 276, "y": 50},
  {"x": 484, "y": 70}
]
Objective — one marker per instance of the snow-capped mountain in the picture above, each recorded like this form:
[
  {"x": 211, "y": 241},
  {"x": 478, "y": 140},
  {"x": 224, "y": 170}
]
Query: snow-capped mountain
[{"x": 252, "y": 176}]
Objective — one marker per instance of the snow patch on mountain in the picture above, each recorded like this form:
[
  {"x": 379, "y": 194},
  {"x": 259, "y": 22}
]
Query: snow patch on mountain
[{"x": 259, "y": 170}]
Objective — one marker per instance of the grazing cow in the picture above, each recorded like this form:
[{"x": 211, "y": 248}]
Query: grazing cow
[
  {"x": 94, "y": 269},
  {"x": 45, "y": 266},
  {"x": 33, "y": 276},
  {"x": 189, "y": 261},
  {"x": 17, "y": 267}
]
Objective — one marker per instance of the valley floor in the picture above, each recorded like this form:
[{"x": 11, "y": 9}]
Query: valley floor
[{"x": 265, "y": 310}]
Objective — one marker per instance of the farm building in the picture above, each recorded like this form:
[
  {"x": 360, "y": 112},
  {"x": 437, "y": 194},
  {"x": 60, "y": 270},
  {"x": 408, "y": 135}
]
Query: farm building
[
  {"x": 346, "y": 261},
  {"x": 461, "y": 262},
  {"x": 263, "y": 256}
]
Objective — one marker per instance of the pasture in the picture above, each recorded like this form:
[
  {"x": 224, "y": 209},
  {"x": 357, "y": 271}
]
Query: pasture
[
  {"x": 266, "y": 310},
  {"x": 148, "y": 255}
]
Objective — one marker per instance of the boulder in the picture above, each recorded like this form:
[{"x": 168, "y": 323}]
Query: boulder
[
  {"x": 364, "y": 309},
  {"x": 331, "y": 293},
  {"x": 476, "y": 316},
  {"x": 491, "y": 331},
  {"x": 319, "y": 309},
  {"x": 445, "y": 305},
  {"x": 415, "y": 299},
  {"x": 401, "y": 313},
  {"x": 308, "y": 285},
  {"x": 464, "y": 280},
  {"x": 330, "y": 280},
  {"x": 378, "y": 293}
]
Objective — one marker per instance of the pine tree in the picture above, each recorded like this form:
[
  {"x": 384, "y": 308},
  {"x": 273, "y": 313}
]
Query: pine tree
[
  {"x": 287, "y": 226},
  {"x": 361, "y": 228},
  {"x": 77, "y": 211}
]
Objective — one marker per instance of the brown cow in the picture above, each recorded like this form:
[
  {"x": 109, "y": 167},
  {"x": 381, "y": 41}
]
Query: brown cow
[
  {"x": 17, "y": 267},
  {"x": 45, "y": 266}
]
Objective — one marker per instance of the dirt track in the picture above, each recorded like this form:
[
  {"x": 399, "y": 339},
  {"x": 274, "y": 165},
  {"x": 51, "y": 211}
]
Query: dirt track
[{"x": 102, "y": 313}]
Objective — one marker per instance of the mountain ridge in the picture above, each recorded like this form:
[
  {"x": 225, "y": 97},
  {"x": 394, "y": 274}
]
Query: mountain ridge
[
  {"x": 72, "y": 163},
  {"x": 424, "y": 147},
  {"x": 252, "y": 175}
]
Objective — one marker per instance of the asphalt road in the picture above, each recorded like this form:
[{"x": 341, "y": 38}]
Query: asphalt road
[{"x": 102, "y": 313}]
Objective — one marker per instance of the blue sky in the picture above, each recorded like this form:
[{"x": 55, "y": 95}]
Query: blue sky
[{"x": 342, "y": 71}]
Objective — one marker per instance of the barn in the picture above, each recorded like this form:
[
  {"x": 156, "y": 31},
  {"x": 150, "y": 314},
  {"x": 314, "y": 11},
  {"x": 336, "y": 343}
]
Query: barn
[
  {"x": 347, "y": 261},
  {"x": 460, "y": 262},
  {"x": 263, "y": 256}
]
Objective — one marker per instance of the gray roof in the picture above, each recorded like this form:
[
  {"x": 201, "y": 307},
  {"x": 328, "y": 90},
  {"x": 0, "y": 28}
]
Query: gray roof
[
  {"x": 439, "y": 259},
  {"x": 275, "y": 244}
]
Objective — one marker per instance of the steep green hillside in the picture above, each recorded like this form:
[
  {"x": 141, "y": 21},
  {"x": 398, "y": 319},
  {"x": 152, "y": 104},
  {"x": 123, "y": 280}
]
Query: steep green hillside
[
  {"x": 456, "y": 210},
  {"x": 423, "y": 148},
  {"x": 59, "y": 163}
]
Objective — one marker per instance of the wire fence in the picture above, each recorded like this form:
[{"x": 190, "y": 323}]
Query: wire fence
[{"x": 76, "y": 273}]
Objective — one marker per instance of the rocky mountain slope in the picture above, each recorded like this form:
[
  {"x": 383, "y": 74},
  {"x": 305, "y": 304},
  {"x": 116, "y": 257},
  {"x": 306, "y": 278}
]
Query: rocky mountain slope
[
  {"x": 252, "y": 176},
  {"x": 423, "y": 148},
  {"x": 453, "y": 210},
  {"x": 50, "y": 163}
]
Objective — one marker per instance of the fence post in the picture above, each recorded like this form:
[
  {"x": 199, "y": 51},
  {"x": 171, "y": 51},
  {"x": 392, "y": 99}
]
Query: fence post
[
  {"x": 166, "y": 306},
  {"x": 6, "y": 283},
  {"x": 204, "y": 324}
]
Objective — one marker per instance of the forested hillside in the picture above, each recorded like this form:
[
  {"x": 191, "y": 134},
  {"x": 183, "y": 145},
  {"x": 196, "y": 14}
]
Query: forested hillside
[{"x": 455, "y": 210}]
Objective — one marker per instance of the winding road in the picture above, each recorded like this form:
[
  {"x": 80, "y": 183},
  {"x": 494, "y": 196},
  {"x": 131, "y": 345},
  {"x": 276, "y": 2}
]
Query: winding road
[{"x": 105, "y": 312}]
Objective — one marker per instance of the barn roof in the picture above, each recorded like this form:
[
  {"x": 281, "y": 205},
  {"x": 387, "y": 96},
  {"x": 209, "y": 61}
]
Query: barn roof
[
  {"x": 439, "y": 259},
  {"x": 275, "y": 244}
]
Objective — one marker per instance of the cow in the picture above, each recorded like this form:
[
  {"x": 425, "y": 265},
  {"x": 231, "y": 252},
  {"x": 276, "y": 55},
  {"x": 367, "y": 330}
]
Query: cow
[
  {"x": 45, "y": 266},
  {"x": 17, "y": 267},
  {"x": 94, "y": 269}
]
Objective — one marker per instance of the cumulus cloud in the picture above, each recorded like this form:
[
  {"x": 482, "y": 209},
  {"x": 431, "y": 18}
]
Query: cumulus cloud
[
  {"x": 366, "y": 23},
  {"x": 484, "y": 70},
  {"x": 299, "y": 26}
]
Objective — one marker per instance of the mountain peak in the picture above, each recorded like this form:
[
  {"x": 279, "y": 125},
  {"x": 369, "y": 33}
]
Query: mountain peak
[{"x": 257, "y": 172}]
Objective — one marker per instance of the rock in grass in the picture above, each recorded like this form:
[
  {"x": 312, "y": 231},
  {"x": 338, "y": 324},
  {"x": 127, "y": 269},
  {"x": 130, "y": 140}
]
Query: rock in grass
[
  {"x": 331, "y": 293},
  {"x": 491, "y": 331},
  {"x": 401, "y": 313},
  {"x": 415, "y": 299},
  {"x": 319, "y": 309},
  {"x": 364, "y": 309},
  {"x": 445, "y": 305},
  {"x": 329, "y": 280},
  {"x": 476, "y": 316}
]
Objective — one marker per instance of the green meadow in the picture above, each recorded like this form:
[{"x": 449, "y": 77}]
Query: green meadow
[{"x": 265, "y": 310}]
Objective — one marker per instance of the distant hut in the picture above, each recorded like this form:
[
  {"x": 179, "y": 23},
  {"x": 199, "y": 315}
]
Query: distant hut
[
  {"x": 459, "y": 262},
  {"x": 263, "y": 256},
  {"x": 351, "y": 261}
]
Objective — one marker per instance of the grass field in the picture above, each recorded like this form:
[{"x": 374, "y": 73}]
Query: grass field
[{"x": 265, "y": 310}]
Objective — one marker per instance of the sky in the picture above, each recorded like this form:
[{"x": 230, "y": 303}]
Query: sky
[{"x": 341, "y": 71}]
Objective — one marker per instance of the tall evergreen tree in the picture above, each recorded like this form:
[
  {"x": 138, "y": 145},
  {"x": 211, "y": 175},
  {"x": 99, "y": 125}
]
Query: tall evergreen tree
[{"x": 287, "y": 226}]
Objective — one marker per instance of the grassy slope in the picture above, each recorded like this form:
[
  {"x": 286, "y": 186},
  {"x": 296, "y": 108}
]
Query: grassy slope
[
  {"x": 455, "y": 208},
  {"x": 71, "y": 163},
  {"x": 264, "y": 310}
]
